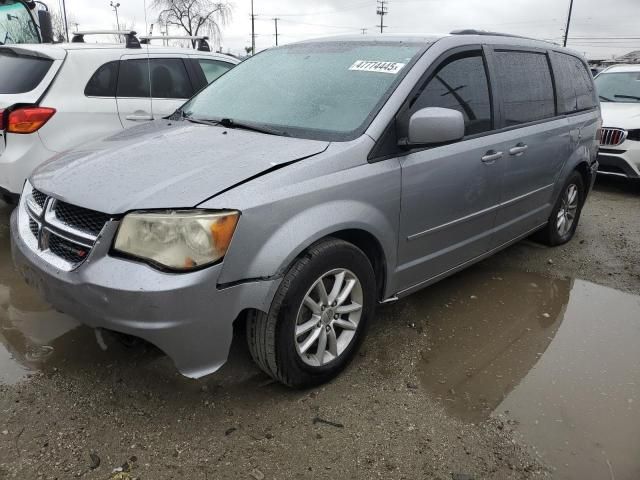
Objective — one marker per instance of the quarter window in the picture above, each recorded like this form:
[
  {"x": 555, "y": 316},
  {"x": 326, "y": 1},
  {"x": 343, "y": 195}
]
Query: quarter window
[
  {"x": 525, "y": 85},
  {"x": 104, "y": 81},
  {"x": 168, "y": 77},
  {"x": 212, "y": 69},
  {"x": 460, "y": 84},
  {"x": 574, "y": 84}
]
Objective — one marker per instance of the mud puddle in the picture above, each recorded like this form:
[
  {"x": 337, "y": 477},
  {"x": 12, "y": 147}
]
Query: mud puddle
[{"x": 556, "y": 359}]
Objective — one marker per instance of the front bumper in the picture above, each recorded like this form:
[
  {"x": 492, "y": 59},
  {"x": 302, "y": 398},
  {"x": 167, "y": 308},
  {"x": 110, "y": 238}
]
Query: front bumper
[
  {"x": 185, "y": 315},
  {"x": 622, "y": 160}
]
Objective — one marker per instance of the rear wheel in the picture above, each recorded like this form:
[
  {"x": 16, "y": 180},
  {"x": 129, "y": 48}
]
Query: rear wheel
[
  {"x": 318, "y": 317},
  {"x": 565, "y": 215}
]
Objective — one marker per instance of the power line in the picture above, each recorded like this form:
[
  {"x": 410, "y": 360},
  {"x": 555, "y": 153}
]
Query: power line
[{"x": 382, "y": 10}]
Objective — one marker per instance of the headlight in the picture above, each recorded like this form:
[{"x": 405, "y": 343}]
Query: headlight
[{"x": 179, "y": 240}]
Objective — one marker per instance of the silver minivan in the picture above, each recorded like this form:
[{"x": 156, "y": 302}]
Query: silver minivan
[{"x": 306, "y": 186}]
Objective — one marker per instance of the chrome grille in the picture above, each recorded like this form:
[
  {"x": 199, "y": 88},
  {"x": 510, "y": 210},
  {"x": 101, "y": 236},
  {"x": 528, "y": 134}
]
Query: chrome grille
[
  {"x": 34, "y": 227},
  {"x": 39, "y": 197},
  {"x": 69, "y": 251},
  {"x": 64, "y": 233},
  {"x": 612, "y": 136},
  {"x": 83, "y": 219}
]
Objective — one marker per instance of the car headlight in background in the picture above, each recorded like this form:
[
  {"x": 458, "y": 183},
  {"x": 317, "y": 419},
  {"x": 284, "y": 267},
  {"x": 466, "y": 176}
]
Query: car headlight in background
[{"x": 180, "y": 239}]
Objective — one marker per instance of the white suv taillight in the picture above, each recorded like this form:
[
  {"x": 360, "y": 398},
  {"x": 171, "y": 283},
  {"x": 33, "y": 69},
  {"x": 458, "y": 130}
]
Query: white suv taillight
[{"x": 28, "y": 119}]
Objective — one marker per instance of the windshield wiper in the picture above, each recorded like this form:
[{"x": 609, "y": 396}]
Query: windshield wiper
[
  {"x": 627, "y": 96},
  {"x": 230, "y": 123},
  {"x": 605, "y": 99}
]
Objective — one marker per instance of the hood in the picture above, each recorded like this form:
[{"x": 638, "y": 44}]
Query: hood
[
  {"x": 620, "y": 115},
  {"x": 165, "y": 164}
]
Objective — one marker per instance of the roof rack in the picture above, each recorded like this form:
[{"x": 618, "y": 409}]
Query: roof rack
[
  {"x": 129, "y": 35},
  {"x": 202, "y": 46},
  {"x": 473, "y": 31}
]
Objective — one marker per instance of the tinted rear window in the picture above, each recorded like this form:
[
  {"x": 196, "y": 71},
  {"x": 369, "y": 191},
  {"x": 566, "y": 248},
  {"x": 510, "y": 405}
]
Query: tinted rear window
[
  {"x": 20, "y": 74},
  {"x": 104, "y": 81},
  {"x": 524, "y": 80},
  {"x": 574, "y": 84}
]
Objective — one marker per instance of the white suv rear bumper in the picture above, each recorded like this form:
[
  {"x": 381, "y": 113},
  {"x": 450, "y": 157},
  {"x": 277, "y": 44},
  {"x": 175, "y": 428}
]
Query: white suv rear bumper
[{"x": 23, "y": 153}]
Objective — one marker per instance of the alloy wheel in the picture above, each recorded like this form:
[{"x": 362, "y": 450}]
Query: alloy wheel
[
  {"x": 328, "y": 317},
  {"x": 568, "y": 210}
]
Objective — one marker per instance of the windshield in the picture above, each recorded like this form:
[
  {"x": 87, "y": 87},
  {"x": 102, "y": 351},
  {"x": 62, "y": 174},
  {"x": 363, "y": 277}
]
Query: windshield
[
  {"x": 619, "y": 87},
  {"x": 321, "y": 90},
  {"x": 16, "y": 23}
]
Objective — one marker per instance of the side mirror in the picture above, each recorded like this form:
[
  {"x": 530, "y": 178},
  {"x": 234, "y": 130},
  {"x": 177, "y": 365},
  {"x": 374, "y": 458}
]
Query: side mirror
[{"x": 435, "y": 125}]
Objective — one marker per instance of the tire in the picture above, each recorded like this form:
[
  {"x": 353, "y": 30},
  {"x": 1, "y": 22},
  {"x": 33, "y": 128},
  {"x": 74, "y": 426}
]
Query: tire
[
  {"x": 272, "y": 338},
  {"x": 553, "y": 234}
]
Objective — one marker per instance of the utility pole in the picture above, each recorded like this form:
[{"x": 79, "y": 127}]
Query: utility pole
[
  {"x": 115, "y": 7},
  {"x": 64, "y": 14},
  {"x": 364, "y": 31},
  {"x": 276, "y": 22},
  {"x": 382, "y": 10},
  {"x": 566, "y": 30},
  {"x": 253, "y": 31}
]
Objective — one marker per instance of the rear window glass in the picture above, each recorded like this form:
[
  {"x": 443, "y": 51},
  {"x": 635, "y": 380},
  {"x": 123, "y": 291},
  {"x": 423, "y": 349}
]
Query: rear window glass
[
  {"x": 573, "y": 84},
  {"x": 524, "y": 79},
  {"x": 104, "y": 81},
  {"x": 20, "y": 73}
]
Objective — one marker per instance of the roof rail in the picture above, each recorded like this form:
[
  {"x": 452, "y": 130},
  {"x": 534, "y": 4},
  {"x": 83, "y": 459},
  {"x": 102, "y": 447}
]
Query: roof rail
[
  {"x": 203, "y": 44},
  {"x": 473, "y": 31},
  {"x": 129, "y": 35}
]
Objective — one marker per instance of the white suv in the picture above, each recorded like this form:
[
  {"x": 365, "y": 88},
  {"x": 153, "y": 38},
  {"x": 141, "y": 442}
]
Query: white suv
[
  {"x": 56, "y": 97},
  {"x": 619, "y": 91}
]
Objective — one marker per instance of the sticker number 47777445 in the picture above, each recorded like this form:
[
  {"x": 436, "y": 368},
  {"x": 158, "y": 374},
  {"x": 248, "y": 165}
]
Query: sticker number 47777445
[{"x": 374, "y": 66}]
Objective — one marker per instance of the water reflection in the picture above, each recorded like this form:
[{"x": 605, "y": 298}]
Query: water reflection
[
  {"x": 27, "y": 325},
  {"x": 560, "y": 359}
]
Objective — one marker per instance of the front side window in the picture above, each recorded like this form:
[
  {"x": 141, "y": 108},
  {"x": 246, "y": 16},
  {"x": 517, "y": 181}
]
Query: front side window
[
  {"x": 104, "y": 81},
  {"x": 461, "y": 84},
  {"x": 324, "y": 90},
  {"x": 524, "y": 82},
  {"x": 623, "y": 87},
  {"x": 212, "y": 69},
  {"x": 16, "y": 24},
  {"x": 156, "y": 77}
]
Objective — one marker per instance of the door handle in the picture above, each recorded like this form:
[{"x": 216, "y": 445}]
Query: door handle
[
  {"x": 139, "y": 117},
  {"x": 491, "y": 156},
  {"x": 518, "y": 149}
]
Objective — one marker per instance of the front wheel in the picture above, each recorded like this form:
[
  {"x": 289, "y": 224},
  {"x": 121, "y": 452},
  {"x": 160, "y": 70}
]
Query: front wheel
[
  {"x": 318, "y": 317},
  {"x": 565, "y": 215}
]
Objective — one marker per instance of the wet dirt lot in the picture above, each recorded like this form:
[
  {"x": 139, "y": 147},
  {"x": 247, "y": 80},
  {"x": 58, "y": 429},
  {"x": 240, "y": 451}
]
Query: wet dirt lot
[{"x": 524, "y": 366}]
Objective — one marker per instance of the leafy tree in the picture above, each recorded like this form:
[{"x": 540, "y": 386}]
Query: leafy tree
[{"x": 194, "y": 17}]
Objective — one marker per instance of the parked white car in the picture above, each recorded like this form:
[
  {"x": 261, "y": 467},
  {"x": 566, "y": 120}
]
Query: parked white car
[
  {"x": 619, "y": 91},
  {"x": 56, "y": 97}
]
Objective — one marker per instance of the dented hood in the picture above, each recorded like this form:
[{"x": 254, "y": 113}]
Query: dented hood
[{"x": 165, "y": 164}]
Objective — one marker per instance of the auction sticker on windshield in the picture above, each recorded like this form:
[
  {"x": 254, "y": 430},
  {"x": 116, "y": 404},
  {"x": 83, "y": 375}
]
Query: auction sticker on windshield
[{"x": 373, "y": 66}]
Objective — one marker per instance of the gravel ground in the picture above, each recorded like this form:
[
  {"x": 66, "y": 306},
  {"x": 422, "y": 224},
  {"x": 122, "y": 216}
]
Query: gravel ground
[{"x": 91, "y": 412}]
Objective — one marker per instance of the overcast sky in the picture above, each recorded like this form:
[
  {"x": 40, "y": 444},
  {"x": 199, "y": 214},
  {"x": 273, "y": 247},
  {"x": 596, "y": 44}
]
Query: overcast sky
[{"x": 598, "y": 28}]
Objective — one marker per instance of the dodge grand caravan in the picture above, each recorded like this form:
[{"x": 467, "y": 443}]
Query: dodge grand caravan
[{"x": 307, "y": 185}]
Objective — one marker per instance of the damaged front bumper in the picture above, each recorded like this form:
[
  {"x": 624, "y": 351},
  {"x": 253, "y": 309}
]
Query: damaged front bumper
[{"x": 185, "y": 315}]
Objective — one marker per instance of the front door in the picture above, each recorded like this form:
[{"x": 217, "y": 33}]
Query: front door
[{"x": 450, "y": 193}]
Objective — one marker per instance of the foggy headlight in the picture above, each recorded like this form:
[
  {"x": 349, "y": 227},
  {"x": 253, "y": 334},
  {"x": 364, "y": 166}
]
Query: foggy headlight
[{"x": 179, "y": 240}]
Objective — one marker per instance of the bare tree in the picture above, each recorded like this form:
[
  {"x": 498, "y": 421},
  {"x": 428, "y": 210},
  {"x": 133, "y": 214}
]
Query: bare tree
[
  {"x": 57, "y": 21},
  {"x": 194, "y": 17}
]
